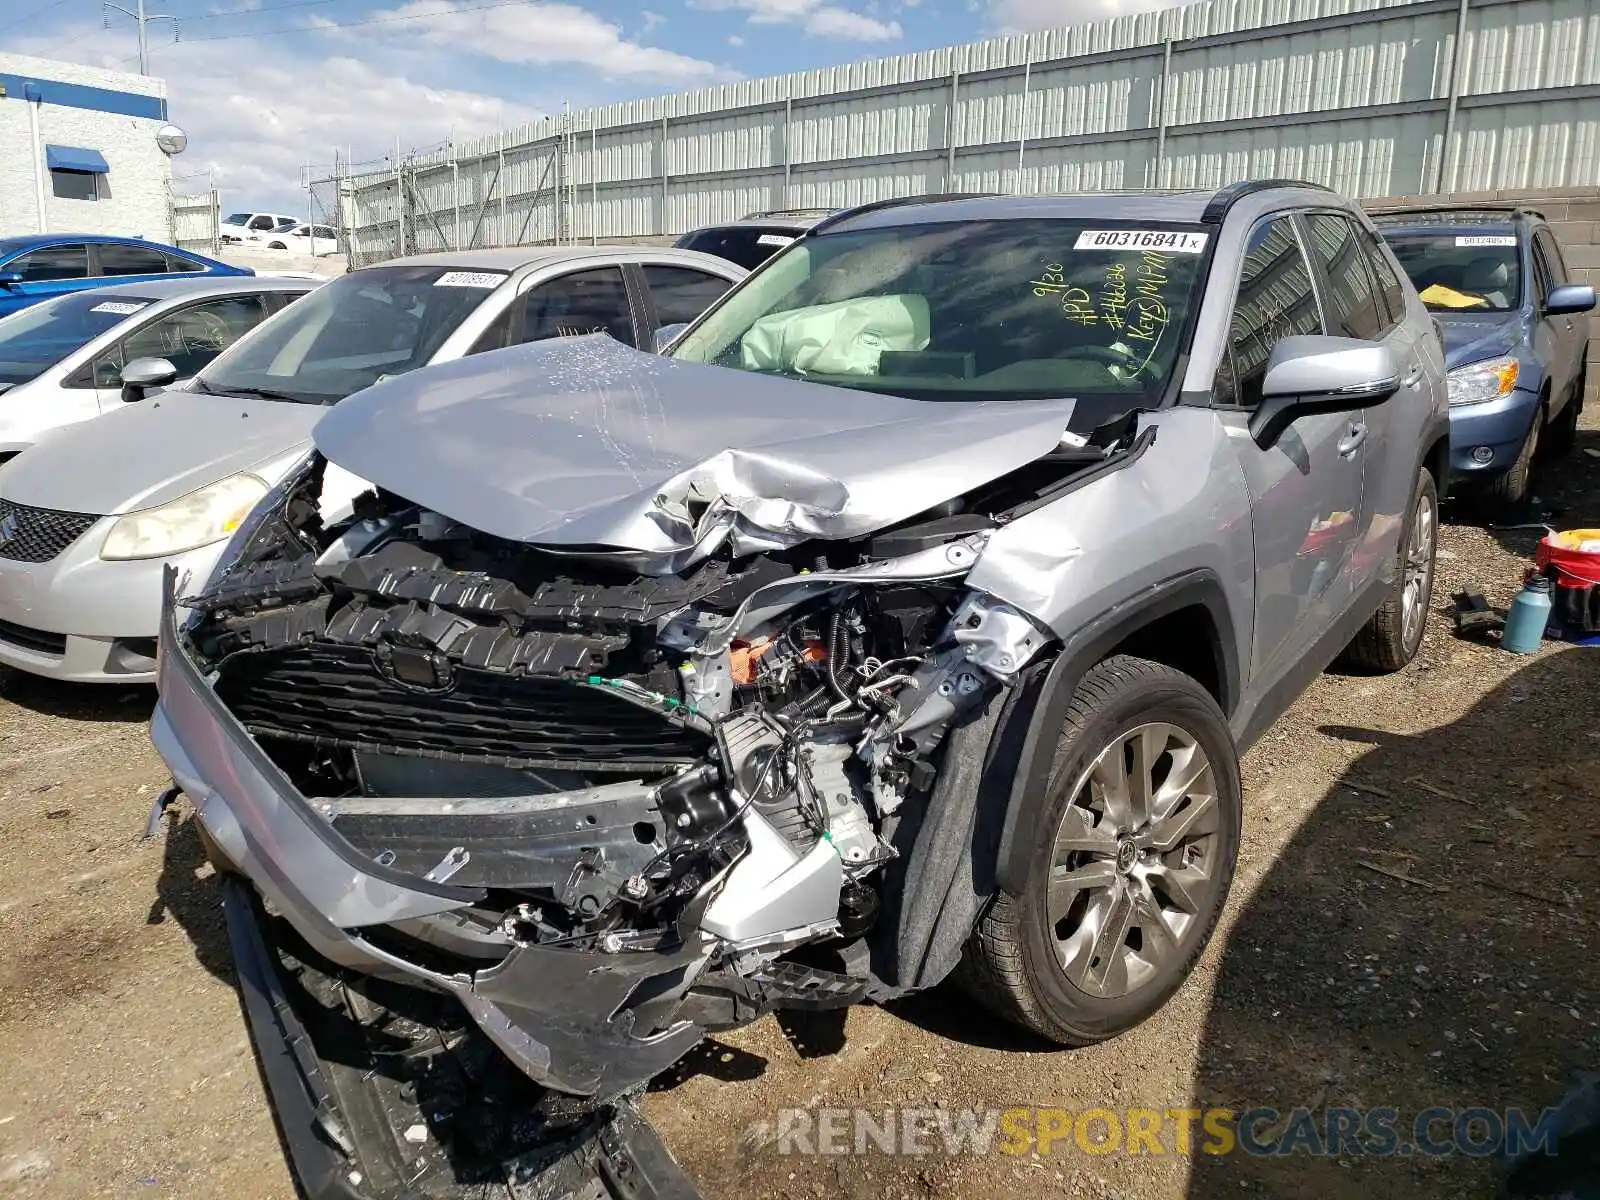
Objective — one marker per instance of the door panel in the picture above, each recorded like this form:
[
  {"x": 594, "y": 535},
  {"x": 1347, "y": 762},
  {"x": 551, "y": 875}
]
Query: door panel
[
  {"x": 1305, "y": 491},
  {"x": 1550, "y": 338},
  {"x": 1570, "y": 331},
  {"x": 1356, "y": 305}
]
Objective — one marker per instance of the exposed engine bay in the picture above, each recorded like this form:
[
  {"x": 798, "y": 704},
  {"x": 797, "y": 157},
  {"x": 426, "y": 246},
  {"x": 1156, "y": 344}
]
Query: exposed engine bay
[{"x": 697, "y": 779}]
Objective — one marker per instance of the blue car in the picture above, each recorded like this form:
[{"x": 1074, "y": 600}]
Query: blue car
[
  {"x": 1515, "y": 337},
  {"x": 39, "y": 266}
]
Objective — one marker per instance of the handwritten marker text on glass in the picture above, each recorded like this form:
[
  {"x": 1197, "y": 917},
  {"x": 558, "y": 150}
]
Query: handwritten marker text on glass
[{"x": 1170, "y": 240}]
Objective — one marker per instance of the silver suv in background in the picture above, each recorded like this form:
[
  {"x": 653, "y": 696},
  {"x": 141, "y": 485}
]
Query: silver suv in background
[{"x": 906, "y": 618}]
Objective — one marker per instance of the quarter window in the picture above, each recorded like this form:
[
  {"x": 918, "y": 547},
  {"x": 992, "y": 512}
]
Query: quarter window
[
  {"x": 583, "y": 302},
  {"x": 682, "y": 294},
  {"x": 1275, "y": 301},
  {"x": 1353, "y": 302}
]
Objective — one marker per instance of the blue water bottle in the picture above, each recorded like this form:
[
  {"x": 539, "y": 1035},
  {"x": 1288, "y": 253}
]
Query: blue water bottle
[{"x": 1529, "y": 614}]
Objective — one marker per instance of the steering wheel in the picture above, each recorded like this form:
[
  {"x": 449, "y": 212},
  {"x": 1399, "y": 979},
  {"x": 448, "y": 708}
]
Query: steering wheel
[{"x": 1113, "y": 358}]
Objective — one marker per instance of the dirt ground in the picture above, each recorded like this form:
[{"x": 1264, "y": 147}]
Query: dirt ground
[{"x": 1412, "y": 925}]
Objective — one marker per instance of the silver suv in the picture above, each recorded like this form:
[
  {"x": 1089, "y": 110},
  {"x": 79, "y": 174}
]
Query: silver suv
[{"x": 906, "y": 618}]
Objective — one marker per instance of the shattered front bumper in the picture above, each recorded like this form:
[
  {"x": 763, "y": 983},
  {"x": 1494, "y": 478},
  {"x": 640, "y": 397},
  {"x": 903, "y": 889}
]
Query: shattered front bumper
[
  {"x": 560, "y": 1014},
  {"x": 375, "y": 1104}
]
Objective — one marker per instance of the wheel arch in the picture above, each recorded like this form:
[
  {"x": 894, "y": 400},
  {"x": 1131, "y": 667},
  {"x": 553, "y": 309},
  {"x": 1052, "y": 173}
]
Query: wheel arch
[
  {"x": 1184, "y": 622},
  {"x": 969, "y": 839}
]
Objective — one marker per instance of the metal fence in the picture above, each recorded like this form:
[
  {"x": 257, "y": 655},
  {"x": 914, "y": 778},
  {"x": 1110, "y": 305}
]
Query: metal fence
[
  {"x": 1373, "y": 97},
  {"x": 196, "y": 221}
]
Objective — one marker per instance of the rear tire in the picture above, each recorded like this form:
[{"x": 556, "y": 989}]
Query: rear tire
[
  {"x": 1393, "y": 635},
  {"x": 1125, "y": 882}
]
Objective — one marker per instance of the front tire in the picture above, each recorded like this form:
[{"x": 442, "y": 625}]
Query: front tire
[
  {"x": 1393, "y": 635},
  {"x": 1563, "y": 433},
  {"x": 1138, "y": 836},
  {"x": 1507, "y": 491}
]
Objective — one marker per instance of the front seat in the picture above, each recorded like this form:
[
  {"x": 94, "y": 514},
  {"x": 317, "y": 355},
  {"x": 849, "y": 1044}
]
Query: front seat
[{"x": 1487, "y": 277}]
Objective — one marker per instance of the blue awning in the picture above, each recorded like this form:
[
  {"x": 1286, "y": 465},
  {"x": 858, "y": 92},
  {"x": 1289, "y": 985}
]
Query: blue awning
[{"x": 76, "y": 158}]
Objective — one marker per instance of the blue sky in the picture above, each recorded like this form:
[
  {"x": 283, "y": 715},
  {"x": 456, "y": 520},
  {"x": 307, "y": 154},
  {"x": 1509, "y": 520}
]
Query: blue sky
[{"x": 266, "y": 86}]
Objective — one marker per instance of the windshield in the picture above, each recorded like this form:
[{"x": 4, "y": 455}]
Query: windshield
[
  {"x": 1458, "y": 270},
  {"x": 976, "y": 310},
  {"x": 235, "y": 218},
  {"x": 37, "y": 338},
  {"x": 351, "y": 333}
]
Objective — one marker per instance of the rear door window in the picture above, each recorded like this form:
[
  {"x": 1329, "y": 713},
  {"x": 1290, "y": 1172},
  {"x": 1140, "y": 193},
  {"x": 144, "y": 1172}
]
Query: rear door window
[
  {"x": 130, "y": 260},
  {"x": 1388, "y": 279},
  {"x": 1353, "y": 303},
  {"x": 1544, "y": 243},
  {"x": 681, "y": 293},
  {"x": 593, "y": 301}
]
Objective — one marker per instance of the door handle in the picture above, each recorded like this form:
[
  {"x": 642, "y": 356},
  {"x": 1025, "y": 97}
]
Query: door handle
[
  {"x": 1352, "y": 442},
  {"x": 1414, "y": 378}
]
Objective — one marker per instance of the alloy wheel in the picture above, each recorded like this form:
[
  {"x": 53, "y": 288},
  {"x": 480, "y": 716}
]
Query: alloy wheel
[
  {"x": 1136, "y": 859},
  {"x": 1417, "y": 575}
]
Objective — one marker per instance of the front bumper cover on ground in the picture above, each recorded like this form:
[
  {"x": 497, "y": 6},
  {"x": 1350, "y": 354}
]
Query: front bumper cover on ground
[{"x": 374, "y": 1104}]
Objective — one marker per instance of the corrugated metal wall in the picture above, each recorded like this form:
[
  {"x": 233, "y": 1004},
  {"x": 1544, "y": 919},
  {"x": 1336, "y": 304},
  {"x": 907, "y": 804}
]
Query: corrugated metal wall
[{"x": 1363, "y": 95}]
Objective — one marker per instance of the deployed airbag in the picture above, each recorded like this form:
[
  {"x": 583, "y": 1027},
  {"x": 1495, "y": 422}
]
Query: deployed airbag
[{"x": 843, "y": 338}]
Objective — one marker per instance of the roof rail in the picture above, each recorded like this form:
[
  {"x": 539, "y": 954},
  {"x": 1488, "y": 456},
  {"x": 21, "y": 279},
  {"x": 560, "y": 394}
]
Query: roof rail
[
  {"x": 877, "y": 205},
  {"x": 818, "y": 211},
  {"x": 1400, "y": 210},
  {"x": 1217, "y": 208}
]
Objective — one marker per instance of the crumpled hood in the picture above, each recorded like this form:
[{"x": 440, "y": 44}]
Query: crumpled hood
[
  {"x": 1473, "y": 337},
  {"x": 155, "y": 450},
  {"x": 584, "y": 442}
]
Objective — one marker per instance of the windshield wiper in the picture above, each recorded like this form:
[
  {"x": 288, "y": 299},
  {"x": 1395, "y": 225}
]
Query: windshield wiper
[{"x": 261, "y": 393}]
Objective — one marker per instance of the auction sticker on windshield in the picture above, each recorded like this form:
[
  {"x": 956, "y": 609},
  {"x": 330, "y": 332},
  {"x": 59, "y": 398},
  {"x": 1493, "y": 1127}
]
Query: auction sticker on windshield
[
  {"x": 1172, "y": 241},
  {"x": 1485, "y": 239},
  {"x": 472, "y": 279},
  {"x": 119, "y": 308}
]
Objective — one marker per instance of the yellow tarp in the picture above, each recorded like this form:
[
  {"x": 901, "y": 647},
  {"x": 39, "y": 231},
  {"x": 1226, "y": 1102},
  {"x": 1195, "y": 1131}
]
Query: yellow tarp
[{"x": 1441, "y": 296}]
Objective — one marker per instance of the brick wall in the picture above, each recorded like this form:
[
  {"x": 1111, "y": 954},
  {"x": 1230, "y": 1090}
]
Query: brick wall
[{"x": 1574, "y": 215}]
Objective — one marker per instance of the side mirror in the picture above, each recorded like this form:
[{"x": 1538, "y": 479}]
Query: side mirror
[
  {"x": 666, "y": 335},
  {"x": 144, "y": 373},
  {"x": 1311, "y": 373},
  {"x": 1568, "y": 298},
  {"x": 7, "y": 278}
]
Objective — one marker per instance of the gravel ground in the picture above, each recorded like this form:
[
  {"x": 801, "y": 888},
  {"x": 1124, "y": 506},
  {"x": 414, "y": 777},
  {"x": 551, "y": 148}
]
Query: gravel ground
[{"x": 1411, "y": 926}]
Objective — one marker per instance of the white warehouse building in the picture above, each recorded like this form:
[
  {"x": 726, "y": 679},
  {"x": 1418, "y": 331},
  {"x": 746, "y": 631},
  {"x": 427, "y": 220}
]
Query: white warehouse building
[{"x": 80, "y": 150}]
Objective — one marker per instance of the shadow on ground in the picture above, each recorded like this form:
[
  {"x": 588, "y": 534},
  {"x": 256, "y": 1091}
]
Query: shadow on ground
[
  {"x": 190, "y": 893},
  {"x": 76, "y": 701},
  {"x": 1426, "y": 939}
]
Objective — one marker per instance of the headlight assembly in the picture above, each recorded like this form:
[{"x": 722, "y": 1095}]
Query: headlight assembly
[
  {"x": 205, "y": 515},
  {"x": 1482, "y": 381}
]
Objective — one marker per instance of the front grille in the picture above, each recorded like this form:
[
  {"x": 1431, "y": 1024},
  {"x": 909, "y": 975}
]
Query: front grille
[
  {"x": 36, "y": 640},
  {"x": 334, "y": 696},
  {"x": 36, "y": 535}
]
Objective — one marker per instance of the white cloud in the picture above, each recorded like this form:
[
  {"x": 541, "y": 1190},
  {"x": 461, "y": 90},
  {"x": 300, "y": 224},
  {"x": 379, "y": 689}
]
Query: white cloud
[
  {"x": 538, "y": 33},
  {"x": 816, "y": 17},
  {"x": 1018, "y": 16},
  {"x": 652, "y": 21},
  {"x": 735, "y": 40},
  {"x": 255, "y": 118}
]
